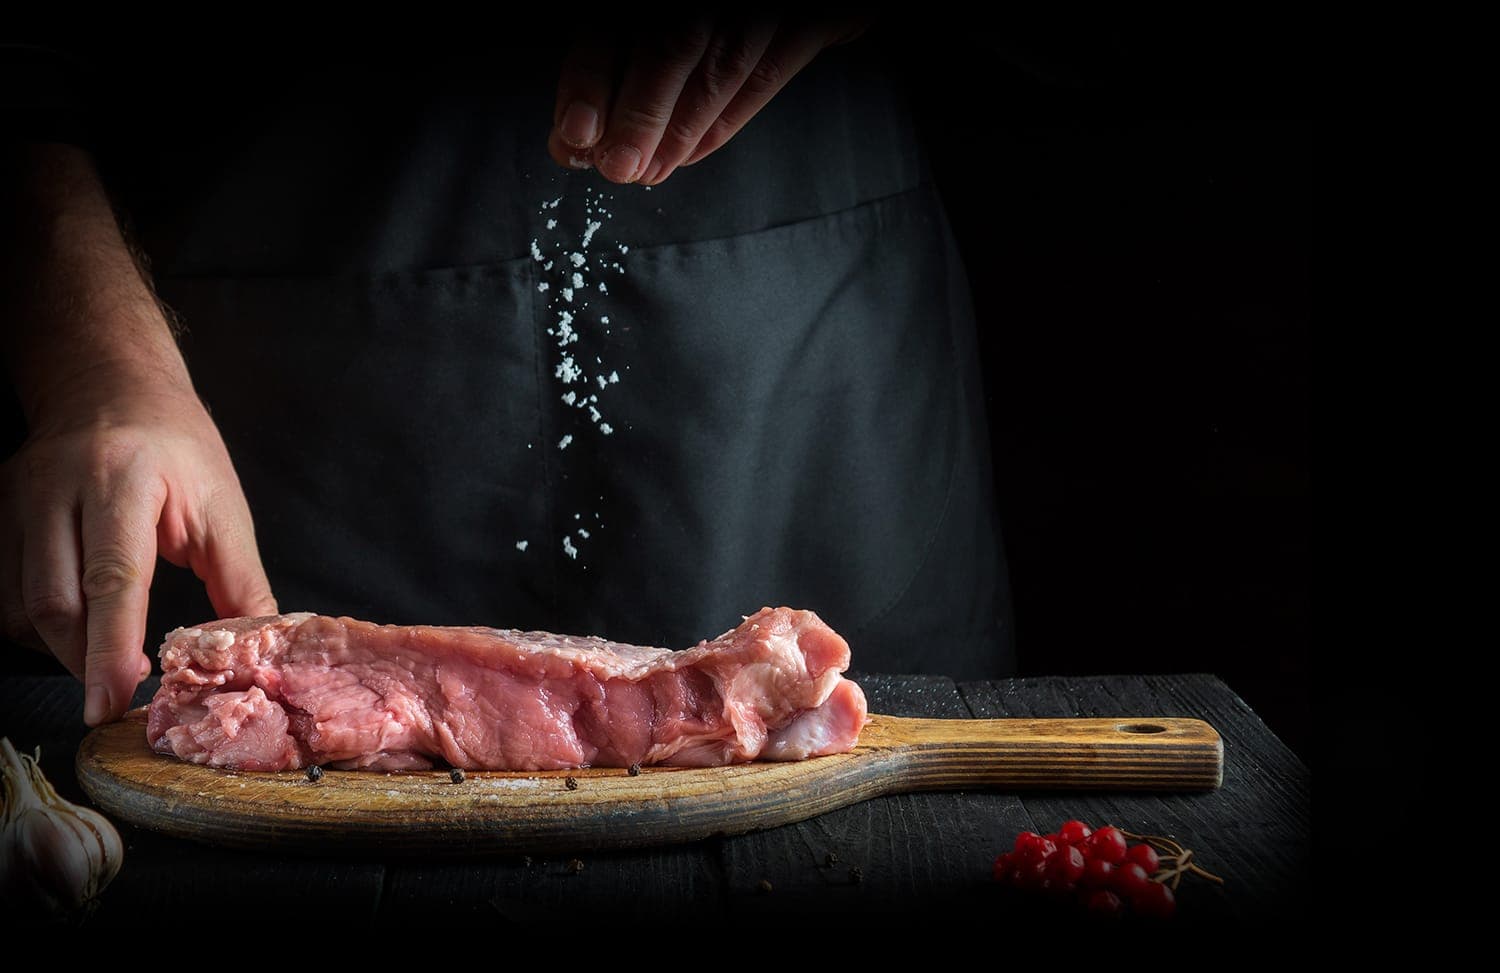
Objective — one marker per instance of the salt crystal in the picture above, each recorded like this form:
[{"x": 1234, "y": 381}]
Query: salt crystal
[
  {"x": 521, "y": 545},
  {"x": 583, "y": 533},
  {"x": 563, "y": 443},
  {"x": 547, "y": 265},
  {"x": 604, "y": 320},
  {"x": 623, "y": 250},
  {"x": 614, "y": 377},
  {"x": 567, "y": 293},
  {"x": 605, "y": 428},
  {"x": 594, "y": 414},
  {"x": 577, "y": 258},
  {"x": 571, "y": 397},
  {"x": 567, "y": 370},
  {"x": 569, "y": 549},
  {"x": 588, "y": 233},
  {"x": 577, "y": 280},
  {"x": 542, "y": 286},
  {"x": 601, "y": 380},
  {"x": 552, "y": 224},
  {"x": 603, "y": 287},
  {"x": 536, "y": 252}
]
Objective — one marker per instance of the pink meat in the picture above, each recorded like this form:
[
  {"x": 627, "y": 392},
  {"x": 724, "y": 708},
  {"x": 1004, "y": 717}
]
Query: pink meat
[{"x": 288, "y": 691}]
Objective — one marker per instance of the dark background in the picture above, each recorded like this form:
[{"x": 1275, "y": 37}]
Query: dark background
[
  {"x": 1133, "y": 210},
  {"x": 1133, "y": 205}
]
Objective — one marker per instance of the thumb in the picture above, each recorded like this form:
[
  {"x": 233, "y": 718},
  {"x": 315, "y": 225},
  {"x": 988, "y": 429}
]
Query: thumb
[{"x": 228, "y": 564}]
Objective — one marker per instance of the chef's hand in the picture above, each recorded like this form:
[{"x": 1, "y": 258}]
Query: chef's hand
[
  {"x": 121, "y": 462},
  {"x": 116, "y": 474},
  {"x": 639, "y": 102}
]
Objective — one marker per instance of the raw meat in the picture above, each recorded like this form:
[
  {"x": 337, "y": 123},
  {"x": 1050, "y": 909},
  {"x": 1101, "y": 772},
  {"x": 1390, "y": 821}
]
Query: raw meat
[{"x": 288, "y": 691}]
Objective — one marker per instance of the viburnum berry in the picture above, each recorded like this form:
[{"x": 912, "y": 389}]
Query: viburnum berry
[
  {"x": 1033, "y": 847},
  {"x": 1097, "y": 874},
  {"x": 1107, "y": 844},
  {"x": 1155, "y": 900},
  {"x": 1100, "y": 870},
  {"x": 1104, "y": 903},
  {"x": 1067, "y": 865},
  {"x": 1145, "y": 856},
  {"x": 1030, "y": 874},
  {"x": 1128, "y": 878}
]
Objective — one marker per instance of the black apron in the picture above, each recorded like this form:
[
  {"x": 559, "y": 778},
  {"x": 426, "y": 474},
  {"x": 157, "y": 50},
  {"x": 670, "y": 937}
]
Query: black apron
[{"x": 788, "y": 400}]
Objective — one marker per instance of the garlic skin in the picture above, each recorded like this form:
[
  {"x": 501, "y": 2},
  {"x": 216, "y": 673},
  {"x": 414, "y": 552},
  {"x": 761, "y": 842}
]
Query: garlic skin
[{"x": 52, "y": 852}]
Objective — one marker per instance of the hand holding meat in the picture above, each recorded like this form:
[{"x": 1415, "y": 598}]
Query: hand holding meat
[
  {"x": 121, "y": 461},
  {"x": 637, "y": 104}
]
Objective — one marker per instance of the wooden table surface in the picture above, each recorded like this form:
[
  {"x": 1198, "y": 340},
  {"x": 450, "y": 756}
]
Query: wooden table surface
[{"x": 919, "y": 855}]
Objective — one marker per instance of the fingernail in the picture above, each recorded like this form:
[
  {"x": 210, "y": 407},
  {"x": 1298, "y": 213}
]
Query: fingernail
[
  {"x": 619, "y": 163},
  {"x": 580, "y": 125},
  {"x": 652, "y": 171},
  {"x": 95, "y": 705}
]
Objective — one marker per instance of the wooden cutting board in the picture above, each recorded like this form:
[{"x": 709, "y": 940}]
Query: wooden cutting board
[{"x": 497, "y": 813}]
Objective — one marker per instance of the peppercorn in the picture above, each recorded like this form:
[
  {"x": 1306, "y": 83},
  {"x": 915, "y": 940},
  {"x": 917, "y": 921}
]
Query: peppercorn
[
  {"x": 315, "y": 773},
  {"x": 456, "y": 775},
  {"x": 764, "y": 886},
  {"x": 575, "y": 865},
  {"x": 635, "y": 770},
  {"x": 830, "y": 860},
  {"x": 572, "y": 784},
  {"x": 526, "y": 861},
  {"x": 856, "y": 874}
]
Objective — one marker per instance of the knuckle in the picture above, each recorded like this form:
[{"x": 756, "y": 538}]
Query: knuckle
[
  {"x": 50, "y": 609},
  {"x": 686, "y": 130},
  {"x": 767, "y": 76},
  {"x": 108, "y": 573},
  {"x": 725, "y": 66},
  {"x": 644, "y": 116}
]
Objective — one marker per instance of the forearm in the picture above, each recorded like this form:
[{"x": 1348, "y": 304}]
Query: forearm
[{"x": 75, "y": 303}]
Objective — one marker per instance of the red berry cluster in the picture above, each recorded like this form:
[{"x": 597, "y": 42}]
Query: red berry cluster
[{"x": 1102, "y": 869}]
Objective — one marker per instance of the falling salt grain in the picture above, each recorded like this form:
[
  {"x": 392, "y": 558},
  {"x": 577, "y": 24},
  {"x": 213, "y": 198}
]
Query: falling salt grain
[
  {"x": 567, "y": 293},
  {"x": 521, "y": 545},
  {"x": 583, "y": 533},
  {"x": 536, "y": 252},
  {"x": 552, "y": 224},
  {"x": 588, "y": 233},
  {"x": 606, "y": 428},
  {"x": 563, "y": 443},
  {"x": 614, "y": 377},
  {"x": 542, "y": 286},
  {"x": 571, "y": 397},
  {"x": 569, "y": 549},
  {"x": 577, "y": 280}
]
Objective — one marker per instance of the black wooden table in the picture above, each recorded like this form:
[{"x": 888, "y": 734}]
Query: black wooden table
[{"x": 918, "y": 854}]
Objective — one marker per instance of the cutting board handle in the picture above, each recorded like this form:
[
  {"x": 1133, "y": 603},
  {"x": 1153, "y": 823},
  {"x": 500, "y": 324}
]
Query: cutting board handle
[{"x": 1127, "y": 753}]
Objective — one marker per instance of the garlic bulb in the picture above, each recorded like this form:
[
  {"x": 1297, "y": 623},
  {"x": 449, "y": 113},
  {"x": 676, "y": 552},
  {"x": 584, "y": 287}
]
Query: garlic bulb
[{"x": 52, "y": 852}]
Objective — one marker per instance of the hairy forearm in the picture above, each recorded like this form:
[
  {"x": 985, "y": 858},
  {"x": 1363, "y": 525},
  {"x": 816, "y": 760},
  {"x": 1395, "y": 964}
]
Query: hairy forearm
[{"x": 74, "y": 303}]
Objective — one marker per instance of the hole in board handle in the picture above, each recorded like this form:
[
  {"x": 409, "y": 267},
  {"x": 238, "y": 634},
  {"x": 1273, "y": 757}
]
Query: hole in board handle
[{"x": 1141, "y": 728}]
